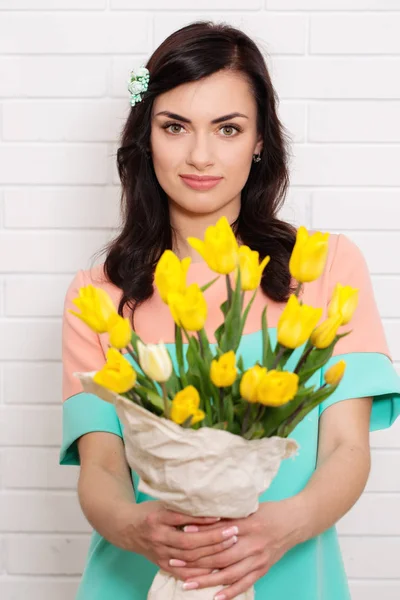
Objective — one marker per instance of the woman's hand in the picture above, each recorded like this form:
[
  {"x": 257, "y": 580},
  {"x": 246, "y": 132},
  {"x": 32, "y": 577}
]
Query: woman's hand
[
  {"x": 151, "y": 530},
  {"x": 263, "y": 538}
]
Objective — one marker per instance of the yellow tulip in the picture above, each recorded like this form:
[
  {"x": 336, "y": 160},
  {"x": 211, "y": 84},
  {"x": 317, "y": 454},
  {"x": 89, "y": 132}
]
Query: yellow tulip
[
  {"x": 296, "y": 323},
  {"x": 219, "y": 248},
  {"x": 223, "y": 371},
  {"x": 324, "y": 334},
  {"x": 120, "y": 332},
  {"x": 186, "y": 403},
  {"x": 250, "y": 269},
  {"x": 170, "y": 274},
  {"x": 309, "y": 255},
  {"x": 96, "y": 308},
  {"x": 344, "y": 301},
  {"x": 277, "y": 388},
  {"x": 335, "y": 373},
  {"x": 188, "y": 309},
  {"x": 155, "y": 361},
  {"x": 117, "y": 374},
  {"x": 249, "y": 382}
]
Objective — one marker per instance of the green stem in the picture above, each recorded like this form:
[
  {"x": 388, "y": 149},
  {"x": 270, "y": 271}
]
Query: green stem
[
  {"x": 221, "y": 405},
  {"x": 201, "y": 345},
  {"x": 278, "y": 357},
  {"x": 229, "y": 288},
  {"x": 303, "y": 359},
  {"x": 297, "y": 291},
  {"x": 165, "y": 398},
  {"x": 246, "y": 418}
]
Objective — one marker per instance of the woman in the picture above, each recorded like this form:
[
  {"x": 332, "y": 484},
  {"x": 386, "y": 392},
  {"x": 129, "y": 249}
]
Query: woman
[{"x": 210, "y": 110}]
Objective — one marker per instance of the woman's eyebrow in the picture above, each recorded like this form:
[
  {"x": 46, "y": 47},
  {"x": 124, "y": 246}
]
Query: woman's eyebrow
[{"x": 171, "y": 115}]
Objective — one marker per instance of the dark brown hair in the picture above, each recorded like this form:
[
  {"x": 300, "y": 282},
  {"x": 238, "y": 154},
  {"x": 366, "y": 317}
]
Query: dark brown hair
[{"x": 189, "y": 54}]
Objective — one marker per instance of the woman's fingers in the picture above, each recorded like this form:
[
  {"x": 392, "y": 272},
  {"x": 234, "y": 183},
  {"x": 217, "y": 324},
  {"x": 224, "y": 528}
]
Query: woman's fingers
[
  {"x": 183, "y": 573},
  {"x": 190, "y": 556},
  {"x": 226, "y": 576},
  {"x": 192, "y": 541},
  {"x": 170, "y": 517}
]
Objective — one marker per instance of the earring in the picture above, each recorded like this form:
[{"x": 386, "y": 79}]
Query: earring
[{"x": 256, "y": 157}]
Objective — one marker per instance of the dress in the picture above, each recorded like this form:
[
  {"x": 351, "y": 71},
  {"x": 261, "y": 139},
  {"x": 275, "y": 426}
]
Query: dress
[{"x": 312, "y": 570}]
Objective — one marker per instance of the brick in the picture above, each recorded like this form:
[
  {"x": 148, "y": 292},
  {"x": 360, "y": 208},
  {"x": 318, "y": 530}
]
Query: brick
[
  {"x": 332, "y": 5},
  {"x": 46, "y": 555},
  {"x": 59, "y": 121},
  {"x": 36, "y": 468},
  {"x": 36, "y": 588},
  {"x": 33, "y": 77},
  {"x": 47, "y": 164},
  {"x": 53, "y": 4},
  {"x": 350, "y": 77},
  {"x": 68, "y": 33},
  {"x": 46, "y": 295},
  {"x": 334, "y": 34},
  {"x": 346, "y": 165},
  {"x": 369, "y": 121},
  {"x": 32, "y": 383},
  {"x": 363, "y": 556},
  {"x": 159, "y": 5},
  {"x": 50, "y": 252},
  {"x": 49, "y": 512},
  {"x": 94, "y": 207},
  {"x": 370, "y": 590},
  {"x": 373, "y": 514},
  {"x": 31, "y": 426},
  {"x": 355, "y": 209},
  {"x": 385, "y": 471}
]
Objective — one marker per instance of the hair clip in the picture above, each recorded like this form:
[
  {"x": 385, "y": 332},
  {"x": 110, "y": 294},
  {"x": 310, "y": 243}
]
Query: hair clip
[{"x": 138, "y": 83}]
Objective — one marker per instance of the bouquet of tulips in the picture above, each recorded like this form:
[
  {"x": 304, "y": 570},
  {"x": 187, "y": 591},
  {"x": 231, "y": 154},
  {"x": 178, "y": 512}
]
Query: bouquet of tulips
[{"x": 205, "y": 435}]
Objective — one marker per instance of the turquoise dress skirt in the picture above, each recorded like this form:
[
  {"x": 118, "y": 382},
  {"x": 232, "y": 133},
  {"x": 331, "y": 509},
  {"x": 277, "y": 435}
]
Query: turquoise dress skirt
[{"x": 313, "y": 570}]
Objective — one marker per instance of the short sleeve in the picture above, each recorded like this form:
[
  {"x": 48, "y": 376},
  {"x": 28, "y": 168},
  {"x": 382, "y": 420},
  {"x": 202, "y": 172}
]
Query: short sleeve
[
  {"x": 369, "y": 367},
  {"x": 81, "y": 351}
]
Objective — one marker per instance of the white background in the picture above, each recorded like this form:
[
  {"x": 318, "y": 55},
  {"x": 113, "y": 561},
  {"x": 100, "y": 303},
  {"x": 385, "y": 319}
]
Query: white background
[{"x": 63, "y": 100}]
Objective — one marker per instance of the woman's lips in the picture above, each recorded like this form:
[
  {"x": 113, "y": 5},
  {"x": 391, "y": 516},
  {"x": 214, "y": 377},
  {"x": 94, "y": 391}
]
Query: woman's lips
[{"x": 198, "y": 184}]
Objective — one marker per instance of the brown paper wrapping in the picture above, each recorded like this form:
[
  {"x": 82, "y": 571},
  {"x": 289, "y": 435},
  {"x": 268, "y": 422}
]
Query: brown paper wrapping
[{"x": 205, "y": 472}]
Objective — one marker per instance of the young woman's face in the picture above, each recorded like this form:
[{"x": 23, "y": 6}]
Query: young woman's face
[{"x": 200, "y": 147}]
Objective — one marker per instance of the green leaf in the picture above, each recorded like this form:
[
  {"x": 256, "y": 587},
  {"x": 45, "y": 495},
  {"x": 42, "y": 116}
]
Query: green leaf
[
  {"x": 307, "y": 406},
  {"x": 151, "y": 396},
  {"x": 209, "y": 284},
  {"x": 246, "y": 311},
  {"x": 267, "y": 352},
  {"x": 205, "y": 344},
  {"x": 231, "y": 336},
  {"x": 255, "y": 432},
  {"x": 179, "y": 354},
  {"x": 315, "y": 361}
]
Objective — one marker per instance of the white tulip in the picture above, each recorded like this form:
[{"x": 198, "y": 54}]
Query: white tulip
[{"x": 155, "y": 361}]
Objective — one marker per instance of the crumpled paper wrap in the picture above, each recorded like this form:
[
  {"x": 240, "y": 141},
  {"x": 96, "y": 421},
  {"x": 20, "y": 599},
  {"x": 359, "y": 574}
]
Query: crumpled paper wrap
[{"x": 205, "y": 472}]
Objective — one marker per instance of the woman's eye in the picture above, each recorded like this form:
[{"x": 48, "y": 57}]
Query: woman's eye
[
  {"x": 231, "y": 128},
  {"x": 175, "y": 125}
]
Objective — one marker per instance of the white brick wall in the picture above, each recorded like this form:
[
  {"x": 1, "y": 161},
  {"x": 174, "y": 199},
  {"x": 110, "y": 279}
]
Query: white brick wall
[{"x": 63, "y": 67}]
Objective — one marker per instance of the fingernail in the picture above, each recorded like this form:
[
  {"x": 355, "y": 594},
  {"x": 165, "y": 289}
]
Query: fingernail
[
  {"x": 190, "y": 528},
  {"x": 190, "y": 586},
  {"x": 231, "y": 541},
  {"x": 220, "y": 597},
  {"x": 231, "y": 531},
  {"x": 175, "y": 562}
]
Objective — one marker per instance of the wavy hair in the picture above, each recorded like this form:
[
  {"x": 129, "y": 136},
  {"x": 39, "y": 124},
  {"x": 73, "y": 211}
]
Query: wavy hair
[{"x": 189, "y": 54}]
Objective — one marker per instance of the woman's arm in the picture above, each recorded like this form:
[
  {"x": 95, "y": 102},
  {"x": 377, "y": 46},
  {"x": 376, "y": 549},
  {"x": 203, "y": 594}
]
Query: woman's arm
[
  {"x": 342, "y": 471},
  {"x": 107, "y": 500},
  {"x": 105, "y": 487},
  {"x": 343, "y": 465}
]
